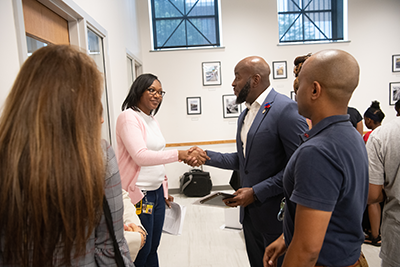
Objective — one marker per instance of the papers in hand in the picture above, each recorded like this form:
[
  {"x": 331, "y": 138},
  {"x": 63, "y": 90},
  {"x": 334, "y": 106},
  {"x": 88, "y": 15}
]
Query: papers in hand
[
  {"x": 174, "y": 218},
  {"x": 214, "y": 199}
]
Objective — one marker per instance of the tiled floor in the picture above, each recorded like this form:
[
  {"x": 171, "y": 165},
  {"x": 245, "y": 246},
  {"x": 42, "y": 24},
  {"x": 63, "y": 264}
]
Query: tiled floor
[{"x": 204, "y": 243}]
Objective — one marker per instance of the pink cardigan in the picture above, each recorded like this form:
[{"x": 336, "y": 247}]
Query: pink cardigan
[{"x": 132, "y": 153}]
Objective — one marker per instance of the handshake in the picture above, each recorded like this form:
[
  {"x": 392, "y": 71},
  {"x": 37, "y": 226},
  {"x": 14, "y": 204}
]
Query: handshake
[{"x": 194, "y": 156}]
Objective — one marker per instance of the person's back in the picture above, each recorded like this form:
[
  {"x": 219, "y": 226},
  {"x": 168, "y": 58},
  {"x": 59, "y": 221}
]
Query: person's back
[
  {"x": 52, "y": 165},
  {"x": 384, "y": 170}
]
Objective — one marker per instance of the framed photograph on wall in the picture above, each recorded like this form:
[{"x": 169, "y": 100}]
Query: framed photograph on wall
[
  {"x": 293, "y": 96},
  {"x": 279, "y": 69},
  {"x": 396, "y": 63},
  {"x": 193, "y": 105},
  {"x": 211, "y": 73},
  {"x": 394, "y": 93},
  {"x": 230, "y": 108}
]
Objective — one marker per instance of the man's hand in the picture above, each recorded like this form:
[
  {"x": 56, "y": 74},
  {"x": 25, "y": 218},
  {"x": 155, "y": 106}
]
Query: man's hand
[
  {"x": 308, "y": 237},
  {"x": 273, "y": 252},
  {"x": 195, "y": 156},
  {"x": 244, "y": 197}
]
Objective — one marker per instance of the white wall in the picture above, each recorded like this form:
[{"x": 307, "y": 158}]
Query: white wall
[
  {"x": 9, "y": 63},
  {"x": 117, "y": 17},
  {"x": 251, "y": 28}
]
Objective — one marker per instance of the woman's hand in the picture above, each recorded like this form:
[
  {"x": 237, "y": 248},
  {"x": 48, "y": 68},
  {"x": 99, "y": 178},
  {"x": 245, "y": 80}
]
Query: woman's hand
[
  {"x": 194, "y": 156},
  {"x": 134, "y": 228},
  {"x": 169, "y": 200}
]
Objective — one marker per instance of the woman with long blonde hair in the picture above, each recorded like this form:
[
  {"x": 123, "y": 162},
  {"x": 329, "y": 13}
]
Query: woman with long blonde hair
[{"x": 54, "y": 171}]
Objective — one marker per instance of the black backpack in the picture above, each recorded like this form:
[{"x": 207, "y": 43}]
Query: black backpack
[{"x": 196, "y": 183}]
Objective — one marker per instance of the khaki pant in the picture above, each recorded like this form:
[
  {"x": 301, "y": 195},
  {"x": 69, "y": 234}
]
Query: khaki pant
[{"x": 362, "y": 262}]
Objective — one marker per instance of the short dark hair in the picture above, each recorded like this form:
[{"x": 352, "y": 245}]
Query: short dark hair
[
  {"x": 374, "y": 112},
  {"x": 139, "y": 86},
  {"x": 397, "y": 105}
]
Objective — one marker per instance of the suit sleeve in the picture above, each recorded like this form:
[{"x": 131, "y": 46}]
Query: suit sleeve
[
  {"x": 290, "y": 126},
  {"x": 228, "y": 161}
]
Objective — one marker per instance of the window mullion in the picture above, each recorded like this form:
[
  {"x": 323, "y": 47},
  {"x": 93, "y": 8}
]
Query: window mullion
[
  {"x": 172, "y": 33},
  {"x": 174, "y": 6},
  {"x": 172, "y": 13},
  {"x": 320, "y": 20},
  {"x": 216, "y": 22},
  {"x": 316, "y": 26},
  {"x": 283, "y": 35},
  {"x": 191, "y": 8},
  {"x": 199, "y": 31}
]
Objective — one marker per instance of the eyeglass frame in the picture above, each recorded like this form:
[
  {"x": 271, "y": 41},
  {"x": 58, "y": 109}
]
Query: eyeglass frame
[{"x": 153, "y": 92}]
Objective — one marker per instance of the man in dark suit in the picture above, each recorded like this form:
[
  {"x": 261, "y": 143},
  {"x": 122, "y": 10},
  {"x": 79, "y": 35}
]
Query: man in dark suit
[{"x": 267, "y": 135}]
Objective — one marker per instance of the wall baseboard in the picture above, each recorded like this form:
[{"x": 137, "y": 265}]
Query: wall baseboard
[{"x": 214, "y": 188}]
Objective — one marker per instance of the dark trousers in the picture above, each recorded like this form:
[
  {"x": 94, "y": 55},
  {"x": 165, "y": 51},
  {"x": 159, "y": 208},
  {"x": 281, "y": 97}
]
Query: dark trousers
[
  {"x": 153, "y": 223},
  {"x": 256, "y": 243}
]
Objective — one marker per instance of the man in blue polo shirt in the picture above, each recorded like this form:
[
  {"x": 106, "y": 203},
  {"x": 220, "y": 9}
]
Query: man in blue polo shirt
[{"x": 326, "y": 180}]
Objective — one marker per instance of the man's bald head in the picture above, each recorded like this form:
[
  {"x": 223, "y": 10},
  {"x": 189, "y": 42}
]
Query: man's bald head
[
  {"x": 336, "y": 71},
  {"x": 256, "y": 65},
  {"x": 251, "y": 79}
]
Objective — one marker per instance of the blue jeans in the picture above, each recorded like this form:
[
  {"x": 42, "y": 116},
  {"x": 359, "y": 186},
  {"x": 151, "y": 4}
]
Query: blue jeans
[{"x": 153, "y": 223}]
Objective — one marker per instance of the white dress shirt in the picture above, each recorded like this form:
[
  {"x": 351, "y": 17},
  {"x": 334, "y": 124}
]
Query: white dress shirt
[{"x": 250, "y": 116}]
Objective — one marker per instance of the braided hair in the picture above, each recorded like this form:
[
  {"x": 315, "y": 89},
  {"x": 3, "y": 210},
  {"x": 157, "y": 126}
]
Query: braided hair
[{"x": 298, "y": 63}]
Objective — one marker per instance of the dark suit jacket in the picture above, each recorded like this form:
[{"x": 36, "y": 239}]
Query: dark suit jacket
[{"x": 272, "y": 139}]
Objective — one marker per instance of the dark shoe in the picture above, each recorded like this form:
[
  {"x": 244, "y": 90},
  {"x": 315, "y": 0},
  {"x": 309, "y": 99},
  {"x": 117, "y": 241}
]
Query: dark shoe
[{"x": 373, "y": 241}]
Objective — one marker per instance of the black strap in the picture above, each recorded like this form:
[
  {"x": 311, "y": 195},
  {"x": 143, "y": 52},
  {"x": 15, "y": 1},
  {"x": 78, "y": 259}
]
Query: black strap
[{"x": 110, "y": 227}]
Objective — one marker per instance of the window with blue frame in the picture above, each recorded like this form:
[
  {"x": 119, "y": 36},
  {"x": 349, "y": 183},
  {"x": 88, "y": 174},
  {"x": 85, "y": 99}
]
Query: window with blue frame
[
  {"x": 310, "y": 20},
  {"x": 185, "y": 23}
]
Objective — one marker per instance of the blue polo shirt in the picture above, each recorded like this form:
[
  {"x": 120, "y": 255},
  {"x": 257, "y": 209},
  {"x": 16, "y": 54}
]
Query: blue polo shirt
[{"x": 329, "y": 172}]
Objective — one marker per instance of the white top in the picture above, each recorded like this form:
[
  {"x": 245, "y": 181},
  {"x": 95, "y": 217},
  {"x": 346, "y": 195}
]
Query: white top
[
  {"x": 250, "y": 116},
  {"x": 384, "y": 169},
  {"x": 151, "y": 177},
  {"x": 134, "y": 239}
]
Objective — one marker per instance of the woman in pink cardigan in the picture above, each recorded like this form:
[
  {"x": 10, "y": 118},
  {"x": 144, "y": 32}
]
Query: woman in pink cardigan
[{"x": 141, "y": 159}]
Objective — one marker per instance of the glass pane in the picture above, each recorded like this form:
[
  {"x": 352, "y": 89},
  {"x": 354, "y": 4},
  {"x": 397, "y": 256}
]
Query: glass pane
[
  {"x": 206, "y": 27},
  {"x": 138, "y": 70},
  {"x": 33, "y": 45},
  {"x": 314, "y": 20},
  {"x": 129, "y": 67},
  {"x": 168, "y": 9},
  {"x": 96, "y": 51},
  {"x": 319, "y": 5},
  {"x": 165, "y": 28},
  {"x": 179, "y": 4},
  {"x": 203, "y": 7},
  {"x": 178, "y": 38},
  {"x": 180, "y": 30},
  {"x": 289, "y": 5},
  {"x": 288, "y": 32},
  {"x": 322, "y": 24}
]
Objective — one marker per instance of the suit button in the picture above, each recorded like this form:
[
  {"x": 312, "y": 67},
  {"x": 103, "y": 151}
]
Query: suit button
[{"x": 246, "y": 172}]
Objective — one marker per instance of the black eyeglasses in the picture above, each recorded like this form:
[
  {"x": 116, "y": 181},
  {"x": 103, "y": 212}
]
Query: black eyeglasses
[{"x": 153, "y": 92}]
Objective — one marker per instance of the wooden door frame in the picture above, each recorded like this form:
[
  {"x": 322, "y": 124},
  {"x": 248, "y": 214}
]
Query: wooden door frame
[{"x": 78, "y": 23}]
